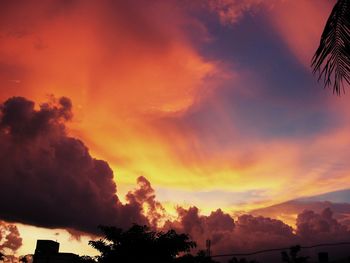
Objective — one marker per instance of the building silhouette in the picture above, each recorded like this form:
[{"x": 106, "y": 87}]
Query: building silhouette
[{"x": 47, "y": 251}]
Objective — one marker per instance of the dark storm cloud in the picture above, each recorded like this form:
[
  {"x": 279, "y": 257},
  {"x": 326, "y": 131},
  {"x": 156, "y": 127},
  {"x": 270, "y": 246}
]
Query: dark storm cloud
[{"x": 48, "y": 178}]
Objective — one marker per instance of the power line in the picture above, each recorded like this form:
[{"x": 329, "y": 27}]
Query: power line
[{"x": 278, "y": 249}]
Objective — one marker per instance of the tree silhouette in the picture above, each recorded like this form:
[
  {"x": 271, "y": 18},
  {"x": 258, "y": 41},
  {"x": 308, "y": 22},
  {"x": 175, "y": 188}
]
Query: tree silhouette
[
  {"x": 86, "y": 259},
  {"x": 140, "y": 244},
  {"x": 23, "y": 259},
  {"x": 293, "y": 256},
  {"x": 201, "y": 257},
  {"x": 331, "y": 60},
  {"x": 2, "y": 256}
]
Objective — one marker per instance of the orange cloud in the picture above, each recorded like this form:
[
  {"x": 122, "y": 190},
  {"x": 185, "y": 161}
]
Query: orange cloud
[
  {"x": 135, "y": 76},
  {"x": 127, "y": 68},
  {"x": 115, "y": 60}
]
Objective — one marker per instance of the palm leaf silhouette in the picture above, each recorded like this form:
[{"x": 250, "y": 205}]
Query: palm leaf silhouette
[{"x": 332, "y": 58}]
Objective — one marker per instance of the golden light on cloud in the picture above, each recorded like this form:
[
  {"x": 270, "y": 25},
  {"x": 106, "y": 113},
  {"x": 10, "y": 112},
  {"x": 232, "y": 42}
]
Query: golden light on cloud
[{"x": 151, "y": 99}]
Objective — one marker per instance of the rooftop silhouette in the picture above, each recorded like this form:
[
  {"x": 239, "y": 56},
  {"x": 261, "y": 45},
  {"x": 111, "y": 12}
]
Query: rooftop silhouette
[{"x": 47, "y": 251}]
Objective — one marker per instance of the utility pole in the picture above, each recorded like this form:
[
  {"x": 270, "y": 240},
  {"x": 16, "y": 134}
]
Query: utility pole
[{"x": 208, "y": 244}]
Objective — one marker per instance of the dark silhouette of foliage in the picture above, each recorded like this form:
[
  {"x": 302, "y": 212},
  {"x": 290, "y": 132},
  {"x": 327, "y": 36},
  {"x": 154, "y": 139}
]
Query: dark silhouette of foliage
[
  {"x": 332, "y": 58},
  {"x": 87, "y": 259},
  {"x": 140, "y": 244},
  {"x": 2, "y": 256},
  {"x": 293, "y": 257},
  {"x": 23, "y": 259},
  {"x": 201, "y": 257}
]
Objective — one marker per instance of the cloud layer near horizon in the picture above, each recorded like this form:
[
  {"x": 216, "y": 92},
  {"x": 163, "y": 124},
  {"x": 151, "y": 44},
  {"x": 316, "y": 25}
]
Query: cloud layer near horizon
[{"x": 250, "y": 233}]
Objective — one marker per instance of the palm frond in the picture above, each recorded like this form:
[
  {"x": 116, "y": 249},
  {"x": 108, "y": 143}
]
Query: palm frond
[{"x": 331, "y": 60}]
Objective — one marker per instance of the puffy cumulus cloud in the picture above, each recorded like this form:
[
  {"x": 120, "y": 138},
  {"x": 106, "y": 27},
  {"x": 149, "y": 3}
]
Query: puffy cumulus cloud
[
  {"x": 10, "y": 239},
  {"x": 218, "y": 227},
  {"x": 288, "y": 211},
  {"x": 200, "y": 226},
  {"x": 256, "y": 233},
  {"x": 49, "y": 179},
  {"x": 249, "y": 223},
  {"x": 20, "y": 120},
  {"x": 220, "y": 221},
  {"x": 320, "y": 227},
  {"x": 248, "y": 233},
  {"x": 144, "y": 194}
]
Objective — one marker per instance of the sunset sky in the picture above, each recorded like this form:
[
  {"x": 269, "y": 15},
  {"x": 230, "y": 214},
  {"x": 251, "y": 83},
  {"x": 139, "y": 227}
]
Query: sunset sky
[{"x": 212, "y": 101}]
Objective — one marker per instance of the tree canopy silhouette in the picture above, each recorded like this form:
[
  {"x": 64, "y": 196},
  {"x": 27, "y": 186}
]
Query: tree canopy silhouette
[
  {"x": 140, "y": 244},
  {"x": 293, "y": 256},
  {"x": 331, "y": 60}
]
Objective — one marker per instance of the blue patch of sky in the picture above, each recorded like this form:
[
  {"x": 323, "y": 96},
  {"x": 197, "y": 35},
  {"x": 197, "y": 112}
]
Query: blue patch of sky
[
  {"x": 289, "y": 102},
  {"x": 341, "y": 196}
]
